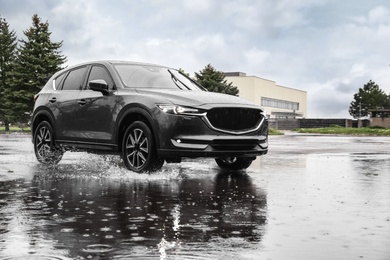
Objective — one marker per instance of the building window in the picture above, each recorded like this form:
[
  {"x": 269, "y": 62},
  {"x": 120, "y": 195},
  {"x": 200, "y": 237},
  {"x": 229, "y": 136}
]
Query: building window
[{"x": 278, "y": 103}]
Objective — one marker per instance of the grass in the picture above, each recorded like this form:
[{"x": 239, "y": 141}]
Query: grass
[
  {"x": 373, "y": 131},
  {"x": 15, "y": 129},
  {"x": 274, "y": 132}
]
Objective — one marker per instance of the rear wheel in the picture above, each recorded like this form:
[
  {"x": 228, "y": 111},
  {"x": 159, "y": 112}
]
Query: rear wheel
[
  {"x": 44, "y": 147},
  {"x": 234, "y": 163},
  {"x": 138, "y": 149}
]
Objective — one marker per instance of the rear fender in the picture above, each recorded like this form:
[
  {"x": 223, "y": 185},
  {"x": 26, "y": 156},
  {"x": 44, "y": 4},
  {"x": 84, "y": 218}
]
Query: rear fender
[{"x": 42, "y": 114}]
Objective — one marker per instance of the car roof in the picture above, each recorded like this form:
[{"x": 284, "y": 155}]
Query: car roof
[{"x": 114, "y": 62}]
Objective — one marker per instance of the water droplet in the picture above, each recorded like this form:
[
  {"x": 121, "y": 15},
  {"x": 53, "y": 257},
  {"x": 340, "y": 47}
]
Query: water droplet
[
  {"x": 98, "y": 249},
  {"x": 67, "y": 230},
  {"x": 105, "y": 229}
]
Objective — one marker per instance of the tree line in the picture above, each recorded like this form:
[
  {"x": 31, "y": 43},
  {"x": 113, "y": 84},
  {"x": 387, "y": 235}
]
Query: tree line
[{"x": 25, "y": 67}]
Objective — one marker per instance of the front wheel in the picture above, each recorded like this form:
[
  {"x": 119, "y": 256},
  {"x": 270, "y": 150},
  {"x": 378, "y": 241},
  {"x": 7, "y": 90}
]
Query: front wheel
[
  {"x": 138, "y": 149},
  {"x": 234, "y": 163},
  {"x": 44, "y": 147}
]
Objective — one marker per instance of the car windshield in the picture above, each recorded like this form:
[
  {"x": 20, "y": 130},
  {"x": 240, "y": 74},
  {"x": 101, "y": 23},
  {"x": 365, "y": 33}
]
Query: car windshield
[{"x": 149, "y": 76}]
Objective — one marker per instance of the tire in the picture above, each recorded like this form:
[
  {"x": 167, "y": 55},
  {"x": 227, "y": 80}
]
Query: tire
[
  {"x": 138, "y": 149},
  {"x": 44, "y": 146},
  {"x": 234, "y": 163}
]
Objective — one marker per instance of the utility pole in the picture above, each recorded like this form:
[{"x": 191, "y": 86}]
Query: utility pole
[{"x": 360, "y": 115}]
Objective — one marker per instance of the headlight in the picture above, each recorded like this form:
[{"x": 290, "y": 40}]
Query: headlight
[{"x": 181, "y": 110}]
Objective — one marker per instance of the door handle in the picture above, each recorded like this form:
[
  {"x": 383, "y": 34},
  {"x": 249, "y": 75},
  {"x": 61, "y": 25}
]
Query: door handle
[
  {"x": 82, "y": 102},
  {"x": 52, "y": 100}
]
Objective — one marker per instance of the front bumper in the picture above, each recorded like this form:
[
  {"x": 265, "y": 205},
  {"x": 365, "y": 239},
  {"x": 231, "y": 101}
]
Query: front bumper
[
  {"x": 191, "y": 136},
  {"x": 216, "y": 148}
]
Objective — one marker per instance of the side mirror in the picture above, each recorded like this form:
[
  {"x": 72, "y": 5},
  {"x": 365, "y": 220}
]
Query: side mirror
[{"x": 99, "y": 85}]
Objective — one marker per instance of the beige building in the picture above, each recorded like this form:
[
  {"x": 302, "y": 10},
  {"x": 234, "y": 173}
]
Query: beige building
[
  {"x": 380, "y": 117},
  {"x": 279, "y": 101}
]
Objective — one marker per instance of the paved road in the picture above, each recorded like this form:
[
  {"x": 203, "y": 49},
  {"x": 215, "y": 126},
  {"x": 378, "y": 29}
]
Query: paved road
[{"x": 310, "y": 197}]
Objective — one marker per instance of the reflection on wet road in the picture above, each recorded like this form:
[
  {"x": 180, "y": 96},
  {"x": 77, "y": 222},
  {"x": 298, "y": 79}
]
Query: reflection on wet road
[
  {"x": 128, "y": 217},
  {"x": 311, "y": 197}
]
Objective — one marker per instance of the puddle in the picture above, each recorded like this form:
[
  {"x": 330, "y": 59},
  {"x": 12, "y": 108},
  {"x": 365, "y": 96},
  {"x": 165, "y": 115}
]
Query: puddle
[
  {"x": 308, "y": 195},
  {"x": 101, "y": 209}
]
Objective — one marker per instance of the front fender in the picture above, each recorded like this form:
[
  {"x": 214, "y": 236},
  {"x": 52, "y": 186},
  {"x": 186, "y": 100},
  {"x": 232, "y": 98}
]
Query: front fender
[{"x": 133, "y": 112}]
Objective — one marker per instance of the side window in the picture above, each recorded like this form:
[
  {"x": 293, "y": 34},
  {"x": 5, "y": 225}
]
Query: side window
[
  {"x": 99, "y": 72},
  {"x": 75, "y": 79},
  {"x": 58, "y": 81}
]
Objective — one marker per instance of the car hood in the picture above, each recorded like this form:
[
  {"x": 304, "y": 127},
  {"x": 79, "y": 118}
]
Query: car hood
[{"x": 196, "y": 98}]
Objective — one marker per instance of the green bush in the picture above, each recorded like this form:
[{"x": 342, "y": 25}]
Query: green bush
[{"x": 376, "y": 127}]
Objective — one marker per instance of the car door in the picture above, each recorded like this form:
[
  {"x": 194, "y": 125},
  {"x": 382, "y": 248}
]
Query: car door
[
  {"x": 95, "y": 110},
  {"x": 63, "y": 102}
]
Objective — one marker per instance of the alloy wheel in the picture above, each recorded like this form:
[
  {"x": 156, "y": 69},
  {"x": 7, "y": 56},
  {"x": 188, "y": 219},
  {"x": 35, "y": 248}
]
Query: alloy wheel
[
  {"x": 43, "y": 143},
  {"x": 137, "y": 148}
]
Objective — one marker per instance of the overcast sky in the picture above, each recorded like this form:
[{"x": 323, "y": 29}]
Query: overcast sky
[{"x": 329, "y": 48}]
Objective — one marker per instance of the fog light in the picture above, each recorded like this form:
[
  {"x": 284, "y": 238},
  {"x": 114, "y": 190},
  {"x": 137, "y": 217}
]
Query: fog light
[{"x": 178, "y": 140}]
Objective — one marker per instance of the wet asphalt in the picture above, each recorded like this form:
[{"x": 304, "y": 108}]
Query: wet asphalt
[{"x": 310, "y": 197}]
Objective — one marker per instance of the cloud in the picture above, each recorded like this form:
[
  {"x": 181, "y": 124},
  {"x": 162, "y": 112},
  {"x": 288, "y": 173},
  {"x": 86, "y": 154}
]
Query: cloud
[
  {"x": 378, "y": 15},
  {"x": 325, "y": 47},
  {"x": 199, "y": 6}
]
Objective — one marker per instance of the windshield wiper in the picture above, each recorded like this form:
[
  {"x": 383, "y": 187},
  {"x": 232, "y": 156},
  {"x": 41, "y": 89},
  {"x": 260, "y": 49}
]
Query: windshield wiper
[{"x": 175, "y": 80}]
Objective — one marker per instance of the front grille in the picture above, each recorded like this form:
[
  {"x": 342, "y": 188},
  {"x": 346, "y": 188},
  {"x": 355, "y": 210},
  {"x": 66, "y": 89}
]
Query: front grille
[{"x": 234, "y": 119}]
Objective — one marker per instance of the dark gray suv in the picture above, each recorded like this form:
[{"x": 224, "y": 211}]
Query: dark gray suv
[{"x": 147, "y": 113}]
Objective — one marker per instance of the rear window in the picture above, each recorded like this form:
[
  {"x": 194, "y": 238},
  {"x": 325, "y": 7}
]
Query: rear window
[
  {"x": 58, "y": 81},
  {"x": 144, "y": 76}
]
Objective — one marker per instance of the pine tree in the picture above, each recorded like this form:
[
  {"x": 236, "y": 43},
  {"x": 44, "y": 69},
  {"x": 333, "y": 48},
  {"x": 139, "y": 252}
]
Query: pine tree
[
  {"x": 368, "y": 97},
  {"x": 214, "y": 81},
  {"x": 8, "y": 44},
  {"x": 37, "y": 60}
]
